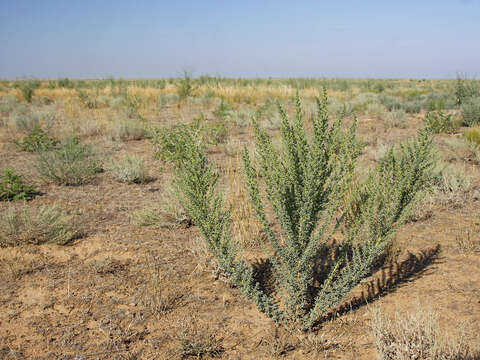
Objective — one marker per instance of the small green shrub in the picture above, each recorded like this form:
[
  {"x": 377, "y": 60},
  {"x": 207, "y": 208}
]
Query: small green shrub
[
  {"x": 466, "y": 89},
  {"x": 412, "y": 107},
  {"x": 13, "y": 188},
  {"x": 133, "y": 104},
  {"x": 37, "y": 140},
  {"x": 27, "y": 88},
  {"x": 72, "y": 163},
  {"x": 306, "y": 182},
  {"x": 440, "y": 122},
  {"x": 170, "y": 142},
  {"x": 442, "y": 101},
  {"x": 185, "y": 86},
  {"x": 471, "y": 111},
  {"x": 390, "y": 102},
  {"x": 130, "y": 169},
  {"x": 212, "y": 132},
  {"x": 65, "y": 83},
  {"x": 221, "y": 111},
  {"x": 46, "y": 224}
]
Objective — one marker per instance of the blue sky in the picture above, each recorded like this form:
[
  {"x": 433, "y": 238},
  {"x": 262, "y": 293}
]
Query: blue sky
[{"x": 150, "y": 39}]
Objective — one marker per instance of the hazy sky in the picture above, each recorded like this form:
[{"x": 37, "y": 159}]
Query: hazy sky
[{"x": 248, "y": 38}]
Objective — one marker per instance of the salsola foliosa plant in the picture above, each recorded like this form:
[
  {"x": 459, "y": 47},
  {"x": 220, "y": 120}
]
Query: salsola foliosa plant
[{"x": 307, "y": 182}]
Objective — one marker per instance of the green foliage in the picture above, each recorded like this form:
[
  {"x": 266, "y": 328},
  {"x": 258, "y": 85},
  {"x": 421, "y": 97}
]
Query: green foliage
[
  {"x": 46, "y": 224},
  {"x": 27, "y": 88},
  {"x": 170, "y": 142},
  {"x": 413, "y": 107},
  {"x": 70, "y": 164},
  {"x": 133, "y": 104},
  {"x": 37, "y": 140},
  {"x": 439, "y": 122},
  {"x": 185, "y": 86},
  {"x": 306, "y": 182},
  {"x": 440, "y": 101},
  {"x": 390, "y": 102},
  {"x": 221, "y": 111},
  {"x": 65, "y": 83},
  {"x": 211, "y": 132},
  {"x": 381, "y": 204},
  {"x": 465, "y": 89},
  {"x": 471, "y": 111},
  {"x": 13, "y": 188}
]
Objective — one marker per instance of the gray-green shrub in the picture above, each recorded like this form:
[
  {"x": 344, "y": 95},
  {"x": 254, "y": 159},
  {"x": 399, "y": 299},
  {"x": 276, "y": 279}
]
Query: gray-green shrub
[
  {"x": 471, "y": 111},
  {"x": 306, "y": 182},
  {"x": 71, "y": 163},
  {"x": 466, "y": 89}
]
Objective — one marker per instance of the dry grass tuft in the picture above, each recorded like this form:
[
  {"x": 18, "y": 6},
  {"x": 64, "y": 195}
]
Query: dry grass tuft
[
  {"x": 245, "y": 227},
  {"x": 46, "y": 224},
  {"x": 130, "y": 169},
  {"x": 158, "y": 298},
  {"x": 468, "y": 242},
  {"x": 418, "y": 336},
  {"x": 197, "y": 342}
]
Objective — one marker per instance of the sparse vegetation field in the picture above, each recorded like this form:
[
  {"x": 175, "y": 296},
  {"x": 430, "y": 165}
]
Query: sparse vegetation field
[{"x": 240, "y": 219}]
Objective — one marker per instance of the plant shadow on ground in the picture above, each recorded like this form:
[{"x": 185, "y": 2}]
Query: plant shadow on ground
[{"x": 388, "y": 274}]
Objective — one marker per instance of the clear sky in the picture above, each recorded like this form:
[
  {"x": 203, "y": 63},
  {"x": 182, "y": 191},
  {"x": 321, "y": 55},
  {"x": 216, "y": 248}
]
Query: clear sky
[{"x": 248, "y": 38}]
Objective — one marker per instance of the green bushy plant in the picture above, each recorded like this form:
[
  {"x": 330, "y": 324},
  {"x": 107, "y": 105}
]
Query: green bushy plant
[
  {"x": 307, "y": 181},
  {"x": 221, "y": 111},
  {"x": 71, "y": 163},
  {"x": 37, "y": 140},
  {"x": 439, "y": 122},
  {"x": 13, "y": 188},
  {"x": 27, "y": 89},
  {"x": 170, "y": 142},
  {"x": 466, "y": 89},
  {"x": 390, "y": 102},
  {"x": 471, "y": 111},
  {"x": 184, "y": 85},
  {"x": 212, "y": 132},
  {"x": 66, "y": 83},
  {"x": 413, "y": 107}
]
